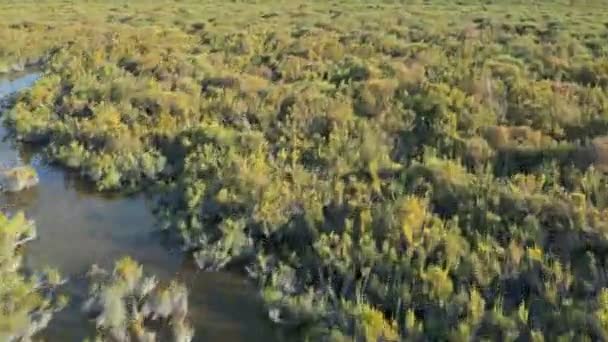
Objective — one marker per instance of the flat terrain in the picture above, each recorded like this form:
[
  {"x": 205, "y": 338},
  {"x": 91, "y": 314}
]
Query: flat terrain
[{"x": 383, "y": 170}]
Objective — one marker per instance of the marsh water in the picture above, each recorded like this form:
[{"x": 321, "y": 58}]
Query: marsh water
[{"x": 78, "y": 227}]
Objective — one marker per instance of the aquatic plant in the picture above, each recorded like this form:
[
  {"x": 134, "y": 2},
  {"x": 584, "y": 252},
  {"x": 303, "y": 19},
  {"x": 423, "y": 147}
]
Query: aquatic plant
[
  {"x": 27, "y": 302},
  {"x": 126, "y": 305},
  {"x": 18, "y": 178}
]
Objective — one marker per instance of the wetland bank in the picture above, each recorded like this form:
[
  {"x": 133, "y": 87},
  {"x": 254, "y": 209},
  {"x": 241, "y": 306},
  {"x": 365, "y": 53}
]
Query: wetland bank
[
  {"x": 78, "y": 227},
  {"x": 380, "y": 170}
]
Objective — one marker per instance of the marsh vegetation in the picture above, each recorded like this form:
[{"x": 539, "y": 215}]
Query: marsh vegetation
[{"x": 385, "y": 170}]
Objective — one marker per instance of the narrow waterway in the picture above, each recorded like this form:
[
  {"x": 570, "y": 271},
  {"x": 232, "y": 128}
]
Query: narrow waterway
[{"x": 78, "y": 227}]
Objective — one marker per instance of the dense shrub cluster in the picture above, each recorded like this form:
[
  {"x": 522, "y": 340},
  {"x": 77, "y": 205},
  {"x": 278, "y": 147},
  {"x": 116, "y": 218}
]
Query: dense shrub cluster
[{"x": 383, "y": 170}]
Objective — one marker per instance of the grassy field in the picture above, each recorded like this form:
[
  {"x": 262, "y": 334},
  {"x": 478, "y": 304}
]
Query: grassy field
[{"x": 384, "y": 170}]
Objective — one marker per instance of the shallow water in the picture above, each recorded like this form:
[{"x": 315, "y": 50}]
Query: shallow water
[{"x": 78, "y": 227}]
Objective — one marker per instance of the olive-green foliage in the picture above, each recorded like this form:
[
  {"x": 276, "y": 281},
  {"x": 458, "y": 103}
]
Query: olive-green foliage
[
  {"x": 27, "y": 303},
  {"x": 385, "y": 170}
]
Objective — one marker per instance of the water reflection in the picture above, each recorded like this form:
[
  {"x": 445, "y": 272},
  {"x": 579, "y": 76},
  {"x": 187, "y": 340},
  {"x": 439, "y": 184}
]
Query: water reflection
[
  {"x": 12, "y": 83},
  {"x": 78, "y": 227}
]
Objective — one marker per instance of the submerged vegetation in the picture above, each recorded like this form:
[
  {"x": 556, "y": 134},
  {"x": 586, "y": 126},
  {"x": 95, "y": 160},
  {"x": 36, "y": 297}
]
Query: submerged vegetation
[{"x": 384, "y": 170}]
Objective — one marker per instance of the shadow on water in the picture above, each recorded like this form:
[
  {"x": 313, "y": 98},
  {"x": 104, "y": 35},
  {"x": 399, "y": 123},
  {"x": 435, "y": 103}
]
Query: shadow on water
[{"x": 78, "y": 227}]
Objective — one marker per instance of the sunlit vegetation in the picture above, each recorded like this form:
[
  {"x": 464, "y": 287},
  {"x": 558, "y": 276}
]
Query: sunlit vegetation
[
  {"x": 127, "y": 306},
  {"x": 384, "y": 170},
  {"x": 27, "y": 303}
]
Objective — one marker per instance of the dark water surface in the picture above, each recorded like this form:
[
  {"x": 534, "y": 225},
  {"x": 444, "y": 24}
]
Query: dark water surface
[{"x": 78, "y": 227}]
